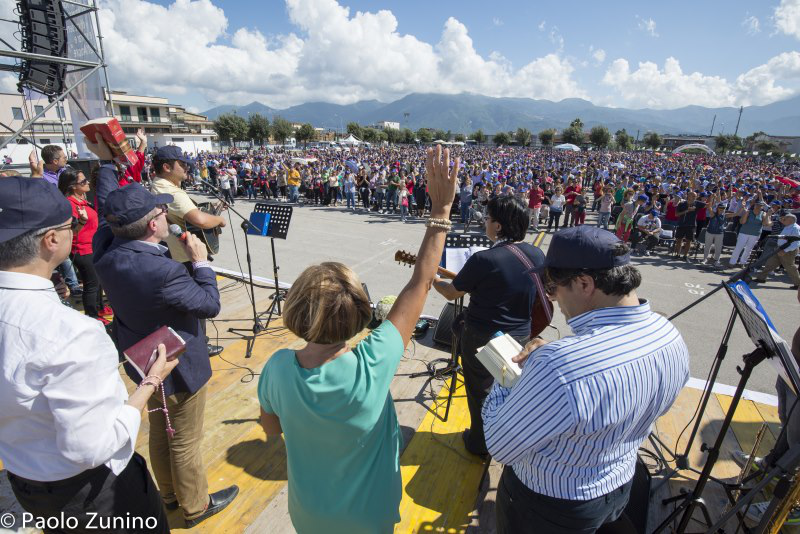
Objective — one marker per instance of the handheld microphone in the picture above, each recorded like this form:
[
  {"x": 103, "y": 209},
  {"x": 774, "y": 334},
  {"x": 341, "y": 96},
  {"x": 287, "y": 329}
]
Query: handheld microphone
[
  {"x": 789, "y": 238},
  {"x": 176, "y": 230}
]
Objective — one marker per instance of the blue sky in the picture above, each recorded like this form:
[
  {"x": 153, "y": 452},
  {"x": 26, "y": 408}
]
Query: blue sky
[{"x": 204, "y": 53}]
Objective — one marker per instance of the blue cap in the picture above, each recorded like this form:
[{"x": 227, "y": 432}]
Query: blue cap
[
  {"x": 130, "y": 203},
  {"x": 30, "y": 204},
  {"x": 643, "y": 198},
  {"x": 583, "y": 247},
  {"x": 171, "y": 152}
]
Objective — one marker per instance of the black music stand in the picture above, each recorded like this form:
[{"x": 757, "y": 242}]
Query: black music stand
[
  {"x": 280, "y": 217},
  {"x": 443, "y": 367},
  {"x": 761, "y": 334}
]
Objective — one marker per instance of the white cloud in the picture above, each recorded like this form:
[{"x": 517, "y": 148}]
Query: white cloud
[
  {"x": 542, "y": 26},
  {"x": 341, "y": 57},
  {"x": 787, "y": 17},
  {"x": 752, "y": 25},
  {"x": 556, "y": 38},
  {"x": 652, "y": 87},
  {"x": 647, "y": 25},
  {"x": 496, "y": 21},
  {"x": 599, "y": 55},
  {"x": 8, "y": 82}
]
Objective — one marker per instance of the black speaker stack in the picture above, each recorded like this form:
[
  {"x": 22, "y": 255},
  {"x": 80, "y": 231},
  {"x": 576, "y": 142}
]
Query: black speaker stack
[{"x": 43, "y": 30}]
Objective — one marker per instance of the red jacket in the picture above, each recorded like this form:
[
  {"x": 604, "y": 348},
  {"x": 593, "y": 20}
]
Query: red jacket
[
  {"x": 82, "y": 241},
  {"x": 535, "y": 197}
]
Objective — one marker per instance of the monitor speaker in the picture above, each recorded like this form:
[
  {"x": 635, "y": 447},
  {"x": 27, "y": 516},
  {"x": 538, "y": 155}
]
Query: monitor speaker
[
  {"x": 43, "y": 30},
  {"x": 443, "y": 333}
]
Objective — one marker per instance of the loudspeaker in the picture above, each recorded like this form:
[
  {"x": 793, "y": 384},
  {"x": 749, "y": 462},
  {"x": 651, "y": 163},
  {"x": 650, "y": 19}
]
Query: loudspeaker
[
  {"x": 443, "y": 333},
  {"x": 43, "y": 31}
]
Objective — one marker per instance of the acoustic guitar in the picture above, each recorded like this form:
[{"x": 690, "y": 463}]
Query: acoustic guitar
[
  {"x": 541, "y": 314},
  {"x": 209, "y": 236}
]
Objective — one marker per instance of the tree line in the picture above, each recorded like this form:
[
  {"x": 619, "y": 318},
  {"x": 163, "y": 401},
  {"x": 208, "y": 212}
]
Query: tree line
[{"x": 257, "y": 128}]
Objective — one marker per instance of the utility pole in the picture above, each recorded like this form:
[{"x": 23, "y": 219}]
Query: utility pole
[
  {"x": 713, "y": 122},
  {"x": 741, "y": 108}
]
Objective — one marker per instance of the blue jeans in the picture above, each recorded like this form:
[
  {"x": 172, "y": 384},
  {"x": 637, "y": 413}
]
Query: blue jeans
[
  {"x": 464, "y": 212},
  {"x": 403, "y": 213},
  {"x": 293, "y": 193},
  {"x": 603, "y": 220},
  {"x": 391, "y": 199},
  {"x": 351, "y": 199},
  {"x": 251, "y": 192},
  {"x": 68, "y": 272},
  {"x": 379, "y": 198}
]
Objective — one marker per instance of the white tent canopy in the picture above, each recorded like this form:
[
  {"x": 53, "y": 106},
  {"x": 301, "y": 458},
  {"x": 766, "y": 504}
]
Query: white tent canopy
[
  {"x": 567, "y": 146},
  {"x": 350, "y": 140},
  {"x": 697, "y": 146}
]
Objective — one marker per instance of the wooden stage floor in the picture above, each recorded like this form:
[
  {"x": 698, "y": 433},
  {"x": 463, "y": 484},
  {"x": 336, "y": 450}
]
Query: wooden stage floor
[{"x": 445, "y": 488}]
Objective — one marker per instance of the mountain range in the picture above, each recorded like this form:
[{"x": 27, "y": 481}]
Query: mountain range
[{"x": 466, "y": 112}]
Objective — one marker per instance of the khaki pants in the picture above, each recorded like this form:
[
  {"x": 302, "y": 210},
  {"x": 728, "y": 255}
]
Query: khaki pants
[
  {"x": 787, "y": 260},
  {"x": 177, "y": 463}
]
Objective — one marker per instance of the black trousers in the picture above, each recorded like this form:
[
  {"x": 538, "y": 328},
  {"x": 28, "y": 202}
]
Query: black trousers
[
  {"x": 477, "y": 382},
  {"x": 521, "y": 510},
  {"x": 131, "y": 497},
  {"x": 92, "y": 293}
]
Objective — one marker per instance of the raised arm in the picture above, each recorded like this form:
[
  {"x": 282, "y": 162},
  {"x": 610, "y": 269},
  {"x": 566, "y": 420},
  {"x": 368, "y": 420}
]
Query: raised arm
[{"x": 442, "y": 185}]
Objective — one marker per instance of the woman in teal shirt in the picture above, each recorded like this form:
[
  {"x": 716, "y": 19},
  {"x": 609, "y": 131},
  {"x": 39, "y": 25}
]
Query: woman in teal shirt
[
  {"x": 332, "y": 403},
  {"x": 749, "y": 233}
]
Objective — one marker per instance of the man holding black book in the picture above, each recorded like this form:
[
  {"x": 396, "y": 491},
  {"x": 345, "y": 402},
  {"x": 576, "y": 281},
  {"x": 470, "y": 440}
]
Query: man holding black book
[
  {"x": 69, "y": 428},
  {"x": 148, "y": 290}
]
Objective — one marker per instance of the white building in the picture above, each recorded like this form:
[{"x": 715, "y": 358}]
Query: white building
[
  {"x": 163, "y": 123},
  {"x": 386, "y": 125}
]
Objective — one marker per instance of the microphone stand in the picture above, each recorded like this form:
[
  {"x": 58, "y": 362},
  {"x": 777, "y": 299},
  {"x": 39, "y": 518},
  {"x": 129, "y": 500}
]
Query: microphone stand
[{"x": 246, "y": 225}]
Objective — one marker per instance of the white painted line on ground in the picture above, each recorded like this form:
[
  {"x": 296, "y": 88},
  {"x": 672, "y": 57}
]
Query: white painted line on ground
[{"x": 724, "y": 389}]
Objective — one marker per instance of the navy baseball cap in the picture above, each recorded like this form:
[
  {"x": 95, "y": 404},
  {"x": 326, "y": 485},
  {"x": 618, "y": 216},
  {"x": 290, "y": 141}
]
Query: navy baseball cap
[
  {"x": 583, "y": 247},
  {"x": 130, "y": 203},
  {"x": 170, "y": 152},
  {"x": 30, "y": 204}
]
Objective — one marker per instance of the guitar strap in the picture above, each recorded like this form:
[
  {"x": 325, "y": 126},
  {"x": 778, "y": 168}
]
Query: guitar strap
[{"x": 545, "y": 307}]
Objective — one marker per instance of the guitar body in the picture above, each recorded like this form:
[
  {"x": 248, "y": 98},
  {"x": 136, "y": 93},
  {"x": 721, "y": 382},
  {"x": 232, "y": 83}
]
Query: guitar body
[{"x": 208, "y": 236}]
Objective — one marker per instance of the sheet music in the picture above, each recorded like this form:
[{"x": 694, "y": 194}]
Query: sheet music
[{"x": 456, "y": 258}]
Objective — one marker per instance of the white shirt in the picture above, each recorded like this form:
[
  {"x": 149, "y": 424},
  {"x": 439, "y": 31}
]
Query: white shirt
[{"x": 62, "y": 400}]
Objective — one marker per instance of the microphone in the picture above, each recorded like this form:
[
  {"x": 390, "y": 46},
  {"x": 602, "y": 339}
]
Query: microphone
[
  {"x": 789, "y": 238},
  {"x": 176, "y": 230}
]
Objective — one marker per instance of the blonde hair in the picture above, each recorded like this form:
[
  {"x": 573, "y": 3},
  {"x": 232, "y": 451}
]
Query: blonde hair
[{"x": 327, "y": 304}]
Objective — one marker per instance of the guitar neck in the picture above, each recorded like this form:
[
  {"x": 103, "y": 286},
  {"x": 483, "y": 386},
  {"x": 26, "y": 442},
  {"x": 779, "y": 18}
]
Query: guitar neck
[{"x": 444, "y": 273}]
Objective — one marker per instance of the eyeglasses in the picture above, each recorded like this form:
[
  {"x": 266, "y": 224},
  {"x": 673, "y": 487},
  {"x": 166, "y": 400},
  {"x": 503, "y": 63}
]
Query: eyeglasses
[
  {"x": 82, "y": 182},
  {"x": 162, "y": 209},
  {"x": 72, "y": 225}
]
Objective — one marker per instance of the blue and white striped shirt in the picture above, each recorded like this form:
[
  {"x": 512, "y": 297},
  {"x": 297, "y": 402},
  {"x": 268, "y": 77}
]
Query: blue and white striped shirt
[{"x": 571, "y": 426}]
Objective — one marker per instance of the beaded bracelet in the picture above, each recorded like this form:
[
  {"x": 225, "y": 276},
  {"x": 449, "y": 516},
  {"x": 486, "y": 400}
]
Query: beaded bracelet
[
  {"x": 431, "y": 224},
  {"x": 160, "y": 384},
  {"x": 441, "y": 221}
]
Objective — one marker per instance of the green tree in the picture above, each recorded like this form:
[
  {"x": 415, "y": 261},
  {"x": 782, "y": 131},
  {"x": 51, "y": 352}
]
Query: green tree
[
  {"x": 258, "y": 128},
  {"x": 441, "y": 134},
  {"x": 767, "y": 146},
  {"x": 231, "y": 127},
  {"x": 355, "y": 129},
  {"x": 408, "y": 136},
  {"x": 460, "y": 138},
  {"x": 546, "y": 136},
  {"x": 600, "y": 136},
  {"x": 523, "y": 136},
  {"x": 478, "y": 136},
  {"x": 501, "y": 138},
  {"x": 623, "y": 140},
  {"x": 425, "y": 135},
  {"x": 305, "y": 134},
  {"x": 652, "y": 140},
  {"x": 577, "y": 123},
  {"x": 281, "y": 130},
  {"x": 371, "y": 135},
  {"x": 573, "y": 134},
  {"x": 393, "y": 135}
]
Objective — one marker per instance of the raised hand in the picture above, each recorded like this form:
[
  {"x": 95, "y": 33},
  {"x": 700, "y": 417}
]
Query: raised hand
[{"x": 442, "y": 180}]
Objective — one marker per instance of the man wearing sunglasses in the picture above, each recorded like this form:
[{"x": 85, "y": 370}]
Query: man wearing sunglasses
[
  {"x": 569, "y": 429},
  {"x": 69, "y": 428},
  {"x": 171, "y": 166}
]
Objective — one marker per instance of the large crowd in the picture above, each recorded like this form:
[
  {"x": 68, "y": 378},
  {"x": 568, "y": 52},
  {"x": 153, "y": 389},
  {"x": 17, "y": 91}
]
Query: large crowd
[{"x": 685, "y": 202}]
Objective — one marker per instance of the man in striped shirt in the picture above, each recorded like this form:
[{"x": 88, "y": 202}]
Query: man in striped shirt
[{"x": 569, "y": 430}]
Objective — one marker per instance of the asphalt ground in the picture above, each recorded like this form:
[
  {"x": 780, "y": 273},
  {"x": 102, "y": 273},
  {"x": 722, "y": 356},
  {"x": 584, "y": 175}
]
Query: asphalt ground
[{"x": 367, "y": 242}]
